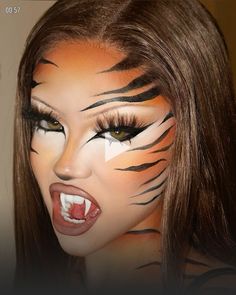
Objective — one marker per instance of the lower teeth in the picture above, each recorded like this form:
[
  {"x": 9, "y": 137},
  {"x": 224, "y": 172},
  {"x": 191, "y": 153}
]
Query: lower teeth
[{"x": 76, "y": 221}]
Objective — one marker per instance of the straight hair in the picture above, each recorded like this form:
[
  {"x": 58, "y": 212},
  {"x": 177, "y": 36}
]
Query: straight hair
[{"x": 180, "y": 42}]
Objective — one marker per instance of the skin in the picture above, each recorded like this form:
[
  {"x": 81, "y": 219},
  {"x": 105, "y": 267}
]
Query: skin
[
  {"x": 126, "y": 178},
  {"x": 66, "y": 86}
]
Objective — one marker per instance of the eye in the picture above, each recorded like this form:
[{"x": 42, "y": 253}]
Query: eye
[
  {"x": 118, "y": 127},
  {"x": 50, "y": 126},
  {"x": 121, "y": 134}
]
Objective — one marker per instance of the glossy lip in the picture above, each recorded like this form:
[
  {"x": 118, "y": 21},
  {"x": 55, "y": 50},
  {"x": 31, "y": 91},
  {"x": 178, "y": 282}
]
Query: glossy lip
[
  {"x": 65, "y": 227},
  {"x": 71, "y": 190}
]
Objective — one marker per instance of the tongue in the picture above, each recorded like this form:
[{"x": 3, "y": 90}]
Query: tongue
[{"x": 77, "y": 211}]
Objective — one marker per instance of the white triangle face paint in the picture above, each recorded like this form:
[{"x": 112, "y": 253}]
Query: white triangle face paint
[{"x": 114, "y": 148}]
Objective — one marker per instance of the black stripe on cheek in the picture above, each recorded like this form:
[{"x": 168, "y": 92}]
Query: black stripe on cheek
[
  {"x": 141, "y": 167},
  {"x": 144, "y": 231},
  {"x": 157, "y": 263},
  {"x": 33, "y": 151},
  {"x": 134, "y": 84},
  {"x": 144, "y": 96},
  {"x": 148, "y": 202},
  {"x": 154, "y": 142},
  {"x": 150, "y": 189},
  {"x": 167, "y": 117},
  {"x": 162, "y": 149},
  {"x": 150, "y": 180},
  {"x": 126, "y": 64}
]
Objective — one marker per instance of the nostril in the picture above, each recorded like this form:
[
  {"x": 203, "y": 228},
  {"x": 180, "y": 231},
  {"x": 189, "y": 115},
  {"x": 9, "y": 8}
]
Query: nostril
[{"x": 63, "y": 176}]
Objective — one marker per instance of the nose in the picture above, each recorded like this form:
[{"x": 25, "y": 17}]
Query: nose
[{"x": 73, "y": 162}]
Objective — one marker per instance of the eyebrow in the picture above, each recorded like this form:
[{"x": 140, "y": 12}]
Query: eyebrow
[
  {"x": 144, "y": 96},
  {"x": 36, "y": 98}
]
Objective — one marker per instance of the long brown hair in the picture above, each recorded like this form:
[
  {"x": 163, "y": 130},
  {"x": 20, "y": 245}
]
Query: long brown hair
[{"x": 182, "y": 45}]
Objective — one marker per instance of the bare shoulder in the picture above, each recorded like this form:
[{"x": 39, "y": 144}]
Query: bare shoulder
[{"x": 207, "y": 276}]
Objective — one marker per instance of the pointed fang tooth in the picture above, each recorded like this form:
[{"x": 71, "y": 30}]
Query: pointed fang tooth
[
  {"x": 62, "y": 198},
  {"x": 87, "y": 206}
]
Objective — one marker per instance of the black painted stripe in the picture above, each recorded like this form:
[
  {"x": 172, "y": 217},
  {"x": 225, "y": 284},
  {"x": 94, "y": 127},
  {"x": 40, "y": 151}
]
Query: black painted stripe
[
  {"x": 46, "y": 61},
  {"x": 158, "y": 140},
  {"x": 163, "y": 149},
  {"x": 150, "y": 180},
  {"x": 144, "y": 231},
  {"x": 167, "y": 117},
  {"x": 150, "y": 189},
  {"x": 144, "y": 96},
  {"x": 141, "y": 167},
  {"x": 207, "y": 276},
  {"x": 126, "y": 64},
  {"x": 134, "y": 84},
  {"x": 148, "y": 202},
  {"x": 156, "y": 263},
  {"x": 34, "y": 83},
  {"x": 33, "y": 150},
  {"x": 195, "y": 262}
]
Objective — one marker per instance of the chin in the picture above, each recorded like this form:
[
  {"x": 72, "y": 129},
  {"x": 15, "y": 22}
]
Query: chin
[{"x": 78, "y": 245}]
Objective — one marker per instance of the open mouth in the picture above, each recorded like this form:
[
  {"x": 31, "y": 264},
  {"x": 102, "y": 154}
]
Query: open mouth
[{"x": 74, "y": 210}]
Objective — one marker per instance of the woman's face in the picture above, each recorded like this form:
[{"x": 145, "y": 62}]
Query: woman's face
[{"x": 101, "y": 144}]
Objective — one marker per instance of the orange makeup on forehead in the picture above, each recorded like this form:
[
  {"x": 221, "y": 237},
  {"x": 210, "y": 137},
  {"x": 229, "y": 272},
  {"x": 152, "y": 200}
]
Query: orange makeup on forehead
[
  {"x": 92, "y": 78},
  {"x": 96, "y": 71}
]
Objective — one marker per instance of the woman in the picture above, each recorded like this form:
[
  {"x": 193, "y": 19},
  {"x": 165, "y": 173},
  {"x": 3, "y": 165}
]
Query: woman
[{"x": 124, "y": 147}]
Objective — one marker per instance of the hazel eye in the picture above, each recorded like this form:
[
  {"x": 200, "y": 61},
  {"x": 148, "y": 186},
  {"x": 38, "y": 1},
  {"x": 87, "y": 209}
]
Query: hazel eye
[
  {"x": 50, "y": 125},
  {"x": 120, "y": 135}
]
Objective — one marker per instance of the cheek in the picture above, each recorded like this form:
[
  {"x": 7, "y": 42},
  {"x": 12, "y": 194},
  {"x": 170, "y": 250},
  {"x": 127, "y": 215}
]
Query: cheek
[
  {"x": 127, "y": 172},
  {"x": 46, "y": 147}
]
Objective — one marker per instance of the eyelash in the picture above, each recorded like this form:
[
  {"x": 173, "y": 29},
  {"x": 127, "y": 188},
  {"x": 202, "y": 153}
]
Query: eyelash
[
  {"x": 119, "y": 122},
  {"x": 105, "y": 124},
  {"x": 36, "y": 115}
]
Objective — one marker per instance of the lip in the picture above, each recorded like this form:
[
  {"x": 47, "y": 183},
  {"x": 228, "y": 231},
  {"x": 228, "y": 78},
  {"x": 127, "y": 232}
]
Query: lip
[{"x": 63, "y": 226}]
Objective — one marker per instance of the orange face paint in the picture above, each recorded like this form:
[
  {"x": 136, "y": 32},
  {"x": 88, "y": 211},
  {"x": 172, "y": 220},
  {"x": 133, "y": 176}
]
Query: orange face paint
[{"x": 116, "y": 172}]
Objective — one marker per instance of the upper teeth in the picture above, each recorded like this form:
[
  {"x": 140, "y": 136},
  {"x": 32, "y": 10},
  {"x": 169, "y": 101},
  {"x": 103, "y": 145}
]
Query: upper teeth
[{"x": 68, "y": 200}]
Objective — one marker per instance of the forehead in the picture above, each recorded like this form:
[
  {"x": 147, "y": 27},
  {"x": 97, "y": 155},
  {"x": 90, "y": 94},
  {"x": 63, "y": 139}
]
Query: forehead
[
  {"x": 84, "y": 55},
  {"x": 85, "y": 65}
]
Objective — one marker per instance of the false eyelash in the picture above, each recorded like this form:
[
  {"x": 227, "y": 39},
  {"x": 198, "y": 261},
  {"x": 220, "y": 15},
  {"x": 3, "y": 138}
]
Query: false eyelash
[
  {"x": 35, "y": 114},
  {"x": 117, "y": 120}
]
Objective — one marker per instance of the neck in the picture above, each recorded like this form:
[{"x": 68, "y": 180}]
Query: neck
[{"x": 133, "y": 259}]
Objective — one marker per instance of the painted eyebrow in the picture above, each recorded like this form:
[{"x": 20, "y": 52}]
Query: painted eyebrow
[
  {"x": 125, "y": 64},
  {"x": 144, "y": 96},
  {"x": 138, "y": 82}
]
